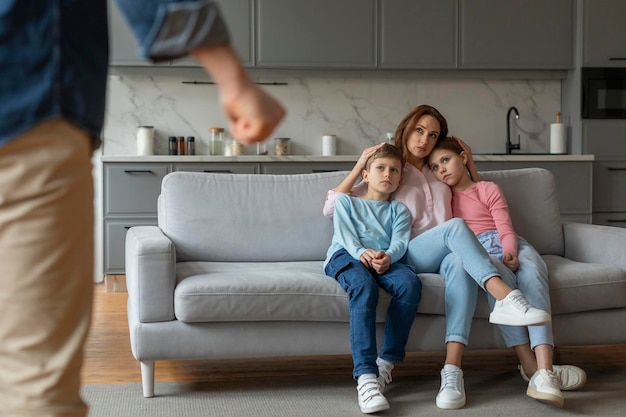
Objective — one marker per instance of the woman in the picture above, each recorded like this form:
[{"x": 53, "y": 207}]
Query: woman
[{"x": 440, "y": 244}]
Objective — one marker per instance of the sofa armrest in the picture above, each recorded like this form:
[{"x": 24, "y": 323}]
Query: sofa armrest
[
  {"x": 595, "y": 244},
  {"x": 150, "y": 274}
]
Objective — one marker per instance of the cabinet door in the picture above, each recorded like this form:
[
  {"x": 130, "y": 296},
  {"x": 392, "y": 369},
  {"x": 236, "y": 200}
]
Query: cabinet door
[
  {"x": 610, "y": 219},
  {"x": 529, "y": 34},
  {"x": 304, "y": 168},
  {"x": 115, "y": 242},
  {"x": 402, "y": 21},
  {"x": 132, "y": 189},
  {"x": 609, "y": 186},
  {"x": 604, "y": 33},
  {"x": 604, "y": 138},
  {"x": 219, "y": 167},
  {"x": 122, "y": 43},
  {"x": 322, "y": 33},
  {"x": 238, "y": 17}
]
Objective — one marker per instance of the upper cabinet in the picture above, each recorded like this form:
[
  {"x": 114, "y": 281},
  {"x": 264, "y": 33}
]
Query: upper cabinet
[
  {"x": 316, "y": 34},
  {"x": 236, "y": 13},
  {"x": 604, "y": 33},
  {"x": 418, "y": 34},
  {"x": 387, "y": 34},
  {"x": 529, "y": 34}
]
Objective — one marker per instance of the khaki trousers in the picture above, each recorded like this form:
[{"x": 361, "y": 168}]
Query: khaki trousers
[{"x": 46, "y": 269}]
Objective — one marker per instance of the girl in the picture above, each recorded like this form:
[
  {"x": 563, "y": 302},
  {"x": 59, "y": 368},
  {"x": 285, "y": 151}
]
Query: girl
[
  {"x": 443, "y": 245},
  {"x": 483, "y": 207}
]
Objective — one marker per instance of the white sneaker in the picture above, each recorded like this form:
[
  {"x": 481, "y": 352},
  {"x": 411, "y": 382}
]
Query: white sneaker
[
  {"x": 384, "y": 373},
  {"x": 452, "y": 392},
  {"x": 570, "y": 377},
  {"x": 515, "y": 310},
  {"x": 370, "y": 398},
  {"x": 544, "y": 386}
]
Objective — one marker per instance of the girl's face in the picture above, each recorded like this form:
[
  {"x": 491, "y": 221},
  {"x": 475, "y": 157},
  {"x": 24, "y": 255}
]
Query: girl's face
[
  {"x": 422, "y": 139},
  {"x": 449, "y": 167}
]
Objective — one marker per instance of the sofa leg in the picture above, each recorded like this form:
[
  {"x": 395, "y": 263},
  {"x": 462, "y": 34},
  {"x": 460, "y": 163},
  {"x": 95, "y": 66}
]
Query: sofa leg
[{"x": 147, "y": 378}]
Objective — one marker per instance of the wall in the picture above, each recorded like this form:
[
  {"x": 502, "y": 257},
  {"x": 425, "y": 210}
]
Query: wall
[{"x": 359, "y": 110}]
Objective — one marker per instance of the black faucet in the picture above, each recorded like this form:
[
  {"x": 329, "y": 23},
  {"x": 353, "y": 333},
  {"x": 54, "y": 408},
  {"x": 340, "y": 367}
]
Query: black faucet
[{"x": 510, "y": 146}]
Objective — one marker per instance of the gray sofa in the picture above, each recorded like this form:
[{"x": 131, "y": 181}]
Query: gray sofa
[{"x": 234, "y": 270}]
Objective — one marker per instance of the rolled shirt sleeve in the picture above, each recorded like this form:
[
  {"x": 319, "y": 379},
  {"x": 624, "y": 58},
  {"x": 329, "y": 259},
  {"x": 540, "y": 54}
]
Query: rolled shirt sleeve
[{"x": 170, "y": 29}]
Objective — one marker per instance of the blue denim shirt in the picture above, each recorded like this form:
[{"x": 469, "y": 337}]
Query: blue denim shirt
[{"x": 54, "y": 54}]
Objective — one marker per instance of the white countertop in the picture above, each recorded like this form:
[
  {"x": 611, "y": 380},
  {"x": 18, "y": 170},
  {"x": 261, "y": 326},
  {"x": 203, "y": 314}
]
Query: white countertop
[{"x": 338, "y": 158}]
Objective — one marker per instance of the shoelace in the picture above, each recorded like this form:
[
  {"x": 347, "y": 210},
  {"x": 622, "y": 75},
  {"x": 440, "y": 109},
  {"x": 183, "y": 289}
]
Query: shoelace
[
  {"x": 368, "y": 390},
  {"x": 520, "y": 302},
  {"x": 450, "y": 380}
]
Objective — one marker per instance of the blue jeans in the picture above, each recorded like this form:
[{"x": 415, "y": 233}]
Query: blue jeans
[
  {"x": 532, "y": 279},
  {"x": 452, "y": 249},
  {"x": 361, "y": 284}
]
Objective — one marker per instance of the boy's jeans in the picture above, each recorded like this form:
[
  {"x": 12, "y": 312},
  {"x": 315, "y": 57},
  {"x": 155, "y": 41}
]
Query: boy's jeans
[{"x": 362, "y": 285}]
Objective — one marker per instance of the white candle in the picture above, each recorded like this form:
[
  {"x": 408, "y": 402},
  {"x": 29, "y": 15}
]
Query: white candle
[
  {"x": 145, "y": 140},
  {"x": 329, "y": 145}
]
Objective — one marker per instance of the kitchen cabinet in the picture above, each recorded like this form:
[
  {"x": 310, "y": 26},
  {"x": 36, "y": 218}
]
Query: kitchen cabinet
[
  {"x": 604, "y": 33},
  {"x": 573, "y": 184},
  {"x": 529, "y": 34},
  {"x": 609, "y": 193},
  {"x": 403, "y": 21},
  {"x": 304, "y": 168},
  {"x": 219, "y": 167},
  {"x": 316, "y": 34},
  {"x": 130, "y": 199},
  {"x": 237, "y": 14},
  {"x": 604, "y": 138}
]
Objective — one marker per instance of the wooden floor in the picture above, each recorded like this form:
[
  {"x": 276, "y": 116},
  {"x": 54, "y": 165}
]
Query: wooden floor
[{"x": 108, "y": 359}]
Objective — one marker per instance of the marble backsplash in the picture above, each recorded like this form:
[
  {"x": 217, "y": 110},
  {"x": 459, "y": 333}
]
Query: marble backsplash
[{"x": 359, "y": 111}]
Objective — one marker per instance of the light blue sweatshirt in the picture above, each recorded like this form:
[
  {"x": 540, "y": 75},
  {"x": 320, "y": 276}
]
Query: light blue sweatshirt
[{"x": 361, "y": 224}]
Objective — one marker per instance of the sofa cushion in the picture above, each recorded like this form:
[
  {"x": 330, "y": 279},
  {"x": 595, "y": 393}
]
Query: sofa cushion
[
  {"x": 534, "y": 206},
  {"x": 576, "y": 286},
  {"x": 255, "y": 213}
]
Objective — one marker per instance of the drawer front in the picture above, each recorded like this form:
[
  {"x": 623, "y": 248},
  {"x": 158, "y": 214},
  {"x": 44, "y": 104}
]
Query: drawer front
[
  {"x": 115, "y": 243},
  {"x": 609, "y": 186},
  {"x": 304, "y": 168},
  {"x": 132, "y": 188},
  {"x": 610, "y": 219},
  {"x": 220, "y": 167}
]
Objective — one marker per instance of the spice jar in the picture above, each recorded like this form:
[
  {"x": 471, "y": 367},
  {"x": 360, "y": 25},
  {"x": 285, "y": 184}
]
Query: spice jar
[
  {"x": 191, "y": 145},
  {"x": 180, "y": 141},
  {"x": 236, "y": 148},
  {"x": 281, "y": 146},
  {"x": 217, "y": 141},
  {"x": 172, "y": 149}
]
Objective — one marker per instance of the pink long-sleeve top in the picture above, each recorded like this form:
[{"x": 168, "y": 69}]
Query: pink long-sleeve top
[
  {"x": 484, "y": 208},
  {"x": 428, "y": 200}
]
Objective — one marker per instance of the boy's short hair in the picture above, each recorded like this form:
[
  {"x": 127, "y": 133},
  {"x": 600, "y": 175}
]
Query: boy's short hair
[{"x": 386, "y": 151}]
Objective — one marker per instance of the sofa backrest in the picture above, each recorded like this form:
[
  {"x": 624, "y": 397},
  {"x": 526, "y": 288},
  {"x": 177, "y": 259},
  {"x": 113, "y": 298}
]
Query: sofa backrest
[
  {"x": 247, "y": 217},
  {"x": 534, "y": 206}
]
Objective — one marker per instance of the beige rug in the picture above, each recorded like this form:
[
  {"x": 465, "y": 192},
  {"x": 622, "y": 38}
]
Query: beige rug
[{"x": 488, "y": 394}]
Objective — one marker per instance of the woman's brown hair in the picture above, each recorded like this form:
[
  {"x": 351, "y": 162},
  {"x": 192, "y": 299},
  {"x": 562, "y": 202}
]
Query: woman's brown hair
[{"x": 406, "y": 126}]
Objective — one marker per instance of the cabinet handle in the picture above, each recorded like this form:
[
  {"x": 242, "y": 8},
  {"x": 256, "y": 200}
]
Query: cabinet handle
[
  {"x": 616, "y": 221},
  {"x": 617, "y": 58},
  {"x": 138, "y": 171},
  {"x": 317, "y": 171},
  {"x": 218, "y": 171},
  {"x": 616, "y": 169}
]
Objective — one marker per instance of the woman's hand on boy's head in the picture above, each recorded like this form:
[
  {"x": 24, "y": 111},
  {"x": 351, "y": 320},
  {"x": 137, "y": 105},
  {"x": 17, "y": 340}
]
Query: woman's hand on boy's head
[{"x": 367, "y": 154}]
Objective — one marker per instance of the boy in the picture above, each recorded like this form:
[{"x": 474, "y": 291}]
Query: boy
[{"x": 371, "y": 235}]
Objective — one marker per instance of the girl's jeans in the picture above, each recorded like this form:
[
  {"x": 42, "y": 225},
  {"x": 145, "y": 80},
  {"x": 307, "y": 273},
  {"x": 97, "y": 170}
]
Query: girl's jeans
[
  {"x": 453, "y": 250},
  {"x": 362, "y": 284},
  {"x": 532, "y": 279}
]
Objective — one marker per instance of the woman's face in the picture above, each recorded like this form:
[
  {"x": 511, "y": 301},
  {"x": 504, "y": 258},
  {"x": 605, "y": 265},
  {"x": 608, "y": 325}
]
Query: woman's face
[{"x": 422, "y": 139}]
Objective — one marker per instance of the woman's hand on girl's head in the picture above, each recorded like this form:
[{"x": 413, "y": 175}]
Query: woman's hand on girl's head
[{"x": 471, "y": 166}]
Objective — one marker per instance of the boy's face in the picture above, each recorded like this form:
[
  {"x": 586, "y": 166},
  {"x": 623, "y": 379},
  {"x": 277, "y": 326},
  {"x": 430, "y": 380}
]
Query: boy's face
[{"x": 383, "y": 175}]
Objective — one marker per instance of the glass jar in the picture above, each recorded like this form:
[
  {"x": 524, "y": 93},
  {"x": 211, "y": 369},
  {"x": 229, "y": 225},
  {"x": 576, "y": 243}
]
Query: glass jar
[
  {"x": 261, "y": 148},
  {"x": 216, "y": 147},
  {"x": 191, "y": 145},
  {"x": 236, "y": 148},
  {"x": 180, "y": 140},
  {"x": 281, "y": 146},
  {"x": 172, "y": 149}
]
